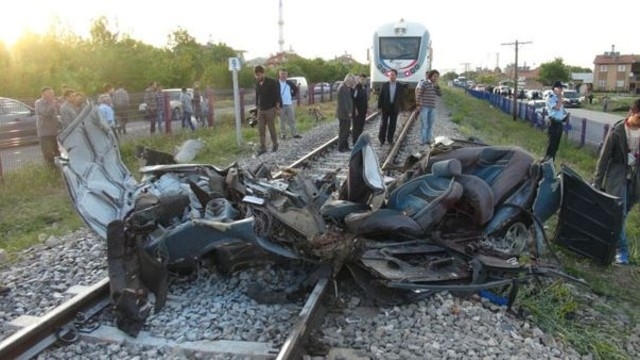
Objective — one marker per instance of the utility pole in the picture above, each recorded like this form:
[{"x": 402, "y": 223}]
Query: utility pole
[
  {"x": 466, "y": 67},
  {"x": 515, "y": 71}
]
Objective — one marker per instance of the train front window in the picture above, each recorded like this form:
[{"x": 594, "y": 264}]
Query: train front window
[{"x": 399, "y": 48}]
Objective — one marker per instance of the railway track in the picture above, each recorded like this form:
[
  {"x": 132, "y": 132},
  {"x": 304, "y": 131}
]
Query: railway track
[{"x": 65, "y": 323}]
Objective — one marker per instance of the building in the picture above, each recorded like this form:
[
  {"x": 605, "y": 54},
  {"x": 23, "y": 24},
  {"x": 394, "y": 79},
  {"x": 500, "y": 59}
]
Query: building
[
  {"x": 582, "y": 82},
  {"x": 280, "y": 58},
  {"x": 615, "y": 72},
  {"x": 346, "y": 59},
  {"x": 527, "y": 77}
]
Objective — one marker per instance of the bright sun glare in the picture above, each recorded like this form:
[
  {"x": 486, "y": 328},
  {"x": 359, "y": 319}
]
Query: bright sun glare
[
  {"x": 35, "y": 16},
  {"x": 9, "y": 33},
  {"x": 12, "y": 30}
]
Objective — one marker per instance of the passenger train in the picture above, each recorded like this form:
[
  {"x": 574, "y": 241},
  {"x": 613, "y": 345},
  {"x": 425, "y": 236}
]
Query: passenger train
[{"x": 404, "y": 46}]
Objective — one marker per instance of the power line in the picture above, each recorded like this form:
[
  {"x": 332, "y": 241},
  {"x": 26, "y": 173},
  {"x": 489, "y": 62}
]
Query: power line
[{"x": 516, "y": 45}]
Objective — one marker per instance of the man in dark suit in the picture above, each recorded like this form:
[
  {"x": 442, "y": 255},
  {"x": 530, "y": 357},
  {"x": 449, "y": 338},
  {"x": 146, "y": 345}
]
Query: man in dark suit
[{"x": 389, "y": 105}]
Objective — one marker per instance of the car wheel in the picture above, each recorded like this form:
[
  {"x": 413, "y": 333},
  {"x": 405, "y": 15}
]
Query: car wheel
[{"x": 516, "y": 239}]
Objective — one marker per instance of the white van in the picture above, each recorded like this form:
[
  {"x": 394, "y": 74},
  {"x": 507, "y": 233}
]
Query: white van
[{"x": 301, "y": 83}]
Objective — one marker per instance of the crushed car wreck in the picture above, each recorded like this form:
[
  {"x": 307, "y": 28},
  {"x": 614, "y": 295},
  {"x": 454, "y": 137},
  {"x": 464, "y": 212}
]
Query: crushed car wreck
[{"x": 462, "y": 216}]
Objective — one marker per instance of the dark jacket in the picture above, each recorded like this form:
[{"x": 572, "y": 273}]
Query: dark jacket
[
  {"x": 612, "y": 166},
  {"x": 344, "y": 105},
  {"x": 360, "y": 101},
  {"x": 388, "y": 105},
  {"x": 268, "y": 94},
  {"x": 294, "y": 88}
]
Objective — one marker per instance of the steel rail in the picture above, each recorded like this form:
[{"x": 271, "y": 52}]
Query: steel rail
[
  {"x": 293, "y": 345},
  {"x": 320, "y": 149},
  {"x": 20, "y": 344},
  {"x": 396, "y": 146}
]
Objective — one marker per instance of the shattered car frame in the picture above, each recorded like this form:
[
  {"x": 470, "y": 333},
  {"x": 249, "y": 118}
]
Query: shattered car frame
[{"x": 462, "y": 216}]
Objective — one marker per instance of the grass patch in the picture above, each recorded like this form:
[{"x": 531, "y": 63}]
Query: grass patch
[
  {"x": 554, "y": 307},
  {"x": 34, "y": 204}
]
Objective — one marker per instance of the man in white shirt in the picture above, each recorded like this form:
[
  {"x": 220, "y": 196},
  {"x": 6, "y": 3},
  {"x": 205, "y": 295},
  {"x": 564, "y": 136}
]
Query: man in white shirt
[{"x": 288, "y": 93}]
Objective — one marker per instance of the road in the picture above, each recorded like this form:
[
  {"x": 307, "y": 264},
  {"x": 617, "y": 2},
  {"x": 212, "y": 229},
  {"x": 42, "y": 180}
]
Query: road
[{"x": 592, "y": 125}]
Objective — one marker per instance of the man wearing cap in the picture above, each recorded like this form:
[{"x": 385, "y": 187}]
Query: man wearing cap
[{"x": 557, "y": 116}]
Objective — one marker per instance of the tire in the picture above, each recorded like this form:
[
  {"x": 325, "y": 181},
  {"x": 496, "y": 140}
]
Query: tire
[{"x": 517, "y": 238}]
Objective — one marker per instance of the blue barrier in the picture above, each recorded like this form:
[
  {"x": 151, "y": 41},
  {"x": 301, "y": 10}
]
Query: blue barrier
[{"x": 583, "y": 135}]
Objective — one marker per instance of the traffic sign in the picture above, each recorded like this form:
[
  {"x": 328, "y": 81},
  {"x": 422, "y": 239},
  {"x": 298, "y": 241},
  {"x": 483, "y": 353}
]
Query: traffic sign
[{"x": 234, "y": 64}]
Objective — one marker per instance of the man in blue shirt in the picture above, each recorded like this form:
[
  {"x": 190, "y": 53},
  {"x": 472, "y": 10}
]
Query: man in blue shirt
[
  {"x": 288, "y": 93},
  {"x": 557, "y": 116}
]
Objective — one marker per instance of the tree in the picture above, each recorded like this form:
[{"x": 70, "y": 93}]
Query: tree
[
  {"x": 554, "y": 71},
  {"x": 101, "y": 36},
  {"x": 578, "y": 69},
  {"x": 449, "y": 76},
  {"x": 487, "y": 78}
]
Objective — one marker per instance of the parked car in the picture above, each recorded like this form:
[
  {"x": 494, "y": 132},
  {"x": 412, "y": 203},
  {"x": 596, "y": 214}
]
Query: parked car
[
  {"x": 301, "y": 83},
  {"x": 322, "y": 88},
  {"x": 538, "y": 105},
  {"x": 17, "y": 123},
  {"x": 539, "y": 111},
  {"x": 174, "y": 101},
  {"x": 533, "y": 94},
  {"x": 503, "y": 90},
  {"x": 571, "y": 99}
]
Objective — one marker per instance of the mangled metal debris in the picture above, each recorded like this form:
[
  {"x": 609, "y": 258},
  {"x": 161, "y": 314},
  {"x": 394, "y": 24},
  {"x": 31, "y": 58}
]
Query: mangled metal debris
[{"x": 462, "y": 216}]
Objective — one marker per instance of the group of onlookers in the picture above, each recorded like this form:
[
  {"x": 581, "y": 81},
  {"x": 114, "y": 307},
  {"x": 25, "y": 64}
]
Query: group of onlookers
[
  {"x": 54, "y": 114},
  {"x": 273, "y": 98},
  {"x": 192, "y": 105}
]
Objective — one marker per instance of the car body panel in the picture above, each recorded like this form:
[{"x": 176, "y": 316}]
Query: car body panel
[
  {"x": 590, "y": 221},
  {"x": 100, "y": 186},
  {"x": 17, "y": 123}
]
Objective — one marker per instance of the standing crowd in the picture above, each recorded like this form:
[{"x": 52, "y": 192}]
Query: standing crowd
[
  {"x": 54, "y": 115},
  {"x": 352, "y": 106},
  {"x": 275, "y": 98},
  {"x": 194, "y": 104}
]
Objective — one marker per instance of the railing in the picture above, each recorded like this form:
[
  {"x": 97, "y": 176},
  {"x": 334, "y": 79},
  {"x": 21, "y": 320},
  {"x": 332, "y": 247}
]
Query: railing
[{"x": 583, "y": 132}]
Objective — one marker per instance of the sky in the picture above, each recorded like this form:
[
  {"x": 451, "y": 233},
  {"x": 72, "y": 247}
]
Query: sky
[{"x": 465, "y": 34}]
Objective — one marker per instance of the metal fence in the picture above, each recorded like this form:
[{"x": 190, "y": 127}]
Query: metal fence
[{"x": 582, "y": 131}]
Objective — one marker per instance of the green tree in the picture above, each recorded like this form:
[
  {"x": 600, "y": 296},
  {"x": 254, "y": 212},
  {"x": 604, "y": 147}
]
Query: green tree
[
  {"x": 61, "y": 58},
  {"x": 579, "y": 69},
  {"x": 449, "y": 76},
  {"x": 487, "y": 78},
  {"x": 553, "y": 71}
]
